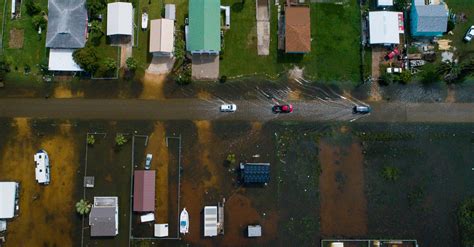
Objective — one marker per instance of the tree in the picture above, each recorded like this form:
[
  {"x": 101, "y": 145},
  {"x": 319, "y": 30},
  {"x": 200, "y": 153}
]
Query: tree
[
  {"x": 96, "y": 32},
  {"x": 401, "y": 5},
  {"x": 96, "y": 6},
  {"x": 183, "y": 77},
  {"x": 32, "y": 7},
  {"x": 387, "y": 78},
  {"x": 83, "y": 207},
  {"x": 428, "y": 74},
  {"x": 231, "y": 159},
  {"x": 132, "y": 64},
  {"x": 39, "y": 21},
  {"x": 179, "y": 48},
  {"x": 86, "y": 57},
  {"x": 451, "y": 71},
  {"x": 466, "y": 221},
  {"x": 120, "y": 140},
  {"x": 90, "y": 140},
  {"x": 110, "y": 64},
  {"x": 405, "y": 77}
]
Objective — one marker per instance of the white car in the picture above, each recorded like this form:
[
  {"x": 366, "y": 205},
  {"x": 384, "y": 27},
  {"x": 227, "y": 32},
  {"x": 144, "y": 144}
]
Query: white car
[
  {"x": 391, "y": 70},
  {"x": 469, "y": 34},
  {"x": 228, "y": 108}
]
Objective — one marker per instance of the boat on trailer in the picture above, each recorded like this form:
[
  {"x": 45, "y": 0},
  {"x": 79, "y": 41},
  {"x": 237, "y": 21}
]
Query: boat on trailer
[
  {"x": 184, "y": 222},
  {"x": 144, "y": 21}
]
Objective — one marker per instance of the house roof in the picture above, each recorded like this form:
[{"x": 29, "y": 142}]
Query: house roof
[
  {"x": 8, "y": 194},
  {"x": 297, "y": 29},
  {"x": 144, "y": 191},
  {"x": 210, "y": 221},
  {"x": 255, "y": 172},
  {"x": 254, "y": 231},
  {"x": 384, "y": 27},
  {"x": 62, "y": 60},
  {"x": 432, "y": 18},
  {"x": 67, "y": 24},
  {"x": 119, "y": 18},
  {"x": 161, "y": 35},
  {"x": 170, "y": 11},
  {"x": 204, "y": 26},
  {"x": 102, "y": 221}
]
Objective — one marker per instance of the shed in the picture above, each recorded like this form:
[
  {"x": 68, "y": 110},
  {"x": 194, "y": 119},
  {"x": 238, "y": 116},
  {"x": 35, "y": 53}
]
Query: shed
[
  {"x": 162, "y": 37},
  {"x": 161, "y": 230},
  {"x": 384, "y": 3},
  {"x": 67, "y": 24},
  {"x": 429, "y": 20},
  {"x": 9, "y": 195},
  {"x": 144, "y": 191},
  {"x": 297, "y": 29},
  {"x": 254, "y": 231},
  {"x": 210, "y": 221},
  {"x": 170, "y": 12},
  {"x": 385, "y": 27},
  {"x": 204, "y": 27},
  {"x": 62, "y": 60},
  {"x": 119, "y": 18},
  {"x": 255, "y": 172}
]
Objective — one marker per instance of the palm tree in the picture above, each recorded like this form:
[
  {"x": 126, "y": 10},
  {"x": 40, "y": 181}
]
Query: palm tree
[
  {"x": 451, "y": 71},
  {"x": 83, "y": 207}
]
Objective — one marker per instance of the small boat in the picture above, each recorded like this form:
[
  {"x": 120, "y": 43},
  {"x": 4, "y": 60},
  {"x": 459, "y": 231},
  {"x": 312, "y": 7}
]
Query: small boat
[
  {"x": 144, "y": 21},
  {"x": 184, "y": 222}
]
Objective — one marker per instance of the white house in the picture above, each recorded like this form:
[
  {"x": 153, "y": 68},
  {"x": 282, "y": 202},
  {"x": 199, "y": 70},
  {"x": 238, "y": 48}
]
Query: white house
[
  {"x": 385, "y": 27},
  {"x": 119, "y": 18},
  {"x": 162, "y": 37},
  {"x": 42, "y": 167},
  {"x": 9, "y": 199}
]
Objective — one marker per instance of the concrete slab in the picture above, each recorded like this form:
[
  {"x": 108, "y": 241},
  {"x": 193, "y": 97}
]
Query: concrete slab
[
  {"x": 205, "y": 67},
  {"x": 161, "y": 65}
]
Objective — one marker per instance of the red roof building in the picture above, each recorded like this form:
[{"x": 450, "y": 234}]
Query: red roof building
[
  {"x": 297, "y": 29},
  {"x": 144, "y": 191}
]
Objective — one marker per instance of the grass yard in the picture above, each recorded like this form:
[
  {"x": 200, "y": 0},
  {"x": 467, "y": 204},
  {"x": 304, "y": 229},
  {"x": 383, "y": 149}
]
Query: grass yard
[
  {"x": 33, "y": 52},
  {"x": 335, "y": 55},
  {"x": 464, "y": 50}
]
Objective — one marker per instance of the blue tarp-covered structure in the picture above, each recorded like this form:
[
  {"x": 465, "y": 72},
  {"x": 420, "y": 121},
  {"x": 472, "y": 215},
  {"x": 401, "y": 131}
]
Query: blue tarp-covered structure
[{"x": 255, "y": 172}]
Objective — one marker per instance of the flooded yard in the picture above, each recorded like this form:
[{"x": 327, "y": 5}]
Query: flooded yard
[{"x": 326, "y": 181}]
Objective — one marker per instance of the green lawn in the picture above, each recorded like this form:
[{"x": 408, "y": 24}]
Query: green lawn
[
  {"x": 334, "y": 56},
  {"x": 465, "y": 50},
  {"x": 33, "y": 51}
]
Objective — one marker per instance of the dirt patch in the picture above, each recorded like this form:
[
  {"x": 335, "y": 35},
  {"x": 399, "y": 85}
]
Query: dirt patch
[
  {"x": 153, "y": 86},
  {"x": 157, "y": 147},
  {"x": 16, "y": 38},
  {"x": 205, "y": 136},
  {"x": 252, "y": 38},
  {"x": 451, "y": 97},
  {"x": 49, "y": 210},
  {"x": 343, "y": 202},
  {"x": 294, "y": 94},
  {"x": 204, "y": 95},
  {"x": 64, "y": 92},
  {"x": 377, "y": 59}
]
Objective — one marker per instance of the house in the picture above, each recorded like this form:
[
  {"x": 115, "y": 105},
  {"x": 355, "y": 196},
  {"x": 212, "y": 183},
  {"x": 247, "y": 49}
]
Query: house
[
  {"x": 103, "y": 218},
  {"x": 210, "y": 221},
  {"x": 254, "y": 231},
  {"x": 429, "y": 20},
  {"x": 170, "y": 12},
  {"x": 297, "y": 29},
  {"x": 9, "y": 193},
  {"x": 384, "y": 3},
  {"x": 204, "y": 27},
  {"x": 119, "y": 19},
  {"x": 42, "y": 167},
  {"x": 67, "y": 30},
  {"x": 385, "y": 27},
  {"x": 144, "y": 190},
  {"x": 162, "y": 37},
  {"x": 255, "y": 173}
]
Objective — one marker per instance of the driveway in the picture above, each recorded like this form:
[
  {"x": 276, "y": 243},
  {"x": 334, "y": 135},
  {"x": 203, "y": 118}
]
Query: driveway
[
  {"x": 161, "y": 65},
  {"x": 205, "y": 67},
  {"x": 248, "y": 110},
  {"x": 263, "y": 27}
]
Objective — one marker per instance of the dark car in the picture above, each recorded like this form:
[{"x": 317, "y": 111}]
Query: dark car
[
  {"x": 361, "y": 109},
  {"x": 282, "y": 108}
]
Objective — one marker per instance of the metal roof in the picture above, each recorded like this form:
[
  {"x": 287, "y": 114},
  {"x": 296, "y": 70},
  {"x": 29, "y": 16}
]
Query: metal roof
[
  {"x": 102, "y": 221},
  {"x": 8, "y": 195},
  {"x": 170, "y": 12},
  {"x": 432, "y": 18},
  {"x": 67, "y": 24},
  {"x": 119, "y": 18},
  {"x": 210, "y": 221},
  {"x": 204, "y": 26},
  {"x": 297, "y": 29},
  {"x": 162, "y": 35},
  {"x": 384, "y": 27},
  {"x": 144, "y": 191},
  {"x": 254, "y": 231}
]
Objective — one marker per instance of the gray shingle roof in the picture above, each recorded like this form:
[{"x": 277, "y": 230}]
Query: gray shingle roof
[
  {"x": 432, "y": 18},
  {"x": 102, "y": 221},
  {"x": 67, "y": 24}
]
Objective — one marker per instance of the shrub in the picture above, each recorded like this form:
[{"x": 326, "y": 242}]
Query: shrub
[
  {"x": 86, "y": 58},
  {"x": 96, "y": 32},
  {"x": 39, "y": 21},
  {"x": 90, "y": 140},
  {"x": 95, "y": 6},
  {"x": 428, "y": 74},
  {"x": 391, "y": 173},
  {"x": 132, "y": 64},
  {"x": 405, "y": 77},
  {"x": 183, "y": 77},
  {"x": 231, "y": 159},
  {"x": 110, "y": 64},
  {"x": 466, "y": 221},
  {"x": 387, "y": 78}
]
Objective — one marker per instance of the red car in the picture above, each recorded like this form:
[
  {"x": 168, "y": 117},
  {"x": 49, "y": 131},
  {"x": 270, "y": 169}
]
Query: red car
[
  {"x": 392, "y": 54},
  {"x": 282, "y": 108}
]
